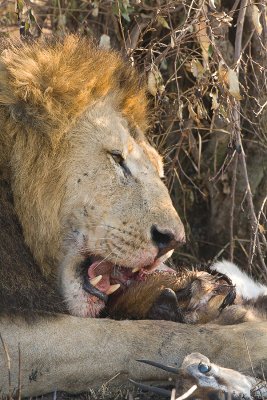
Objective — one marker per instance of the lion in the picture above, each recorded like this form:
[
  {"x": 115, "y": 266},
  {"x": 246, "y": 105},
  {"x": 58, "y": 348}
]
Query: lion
[
  {"x": 83, "y": 114},
  {"x": 83, "y": 208}
]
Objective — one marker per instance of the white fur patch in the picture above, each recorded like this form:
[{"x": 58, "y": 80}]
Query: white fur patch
[{"x": 245, "y": 286}]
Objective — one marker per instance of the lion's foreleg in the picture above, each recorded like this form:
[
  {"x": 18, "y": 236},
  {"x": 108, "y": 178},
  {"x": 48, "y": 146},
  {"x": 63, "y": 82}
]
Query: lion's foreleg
[{"x": 74, "y": 354}]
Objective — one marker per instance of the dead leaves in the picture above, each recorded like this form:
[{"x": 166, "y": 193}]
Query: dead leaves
[
  {"x": 229, "y": 79},
  {"x": 233, "y": 83},
  {"x": 163, "y": 22},
  {"x": 201, "y": 30},
  {"x": 196, "y": 68},
  {"x": 25, "y": 16},
  {"x": 197, "y": 111},
  {"x": 155, "y": 83},
  {"x": 223, "y": 18},
  {"x": 255, "y": 17},
  {"x": 104, "y": 42},
  {"x": 214, "y": 99}
]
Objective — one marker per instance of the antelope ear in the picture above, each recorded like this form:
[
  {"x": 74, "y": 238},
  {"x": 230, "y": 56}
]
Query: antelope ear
[{"x": 166, "y": 307}]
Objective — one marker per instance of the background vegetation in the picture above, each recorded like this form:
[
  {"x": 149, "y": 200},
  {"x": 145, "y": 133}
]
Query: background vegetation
[
  {"x": 204, "y": 62},
  {"x": 205, "y": 65}
]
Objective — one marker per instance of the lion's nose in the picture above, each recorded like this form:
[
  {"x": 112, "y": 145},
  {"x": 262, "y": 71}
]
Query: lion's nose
[{"x": 166, "y": 240}]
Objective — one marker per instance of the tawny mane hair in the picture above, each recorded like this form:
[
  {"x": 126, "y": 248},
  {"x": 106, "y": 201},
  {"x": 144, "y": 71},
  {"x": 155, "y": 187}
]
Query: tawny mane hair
[
  {"x": 49, "y": 83},
  {"x": 45, "y": 86}
]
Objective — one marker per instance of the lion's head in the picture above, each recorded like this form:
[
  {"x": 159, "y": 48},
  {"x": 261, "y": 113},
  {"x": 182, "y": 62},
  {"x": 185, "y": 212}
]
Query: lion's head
[{"x": 86, "y": 183}]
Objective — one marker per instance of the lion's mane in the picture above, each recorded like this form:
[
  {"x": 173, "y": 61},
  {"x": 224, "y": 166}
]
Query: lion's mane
[
  {"x": 38, "y": 84},
  {"x": 65, "y": 107}
]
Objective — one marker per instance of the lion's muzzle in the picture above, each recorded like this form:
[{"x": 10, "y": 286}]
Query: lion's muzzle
[{"x": 167, "y": 239}]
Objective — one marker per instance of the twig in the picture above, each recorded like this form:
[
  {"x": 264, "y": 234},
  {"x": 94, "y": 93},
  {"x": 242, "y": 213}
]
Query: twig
[
  {"x": 256, "y": 237},
  {"x": 218, "y": 255},
  {"x": 234, "y": 7},
  {"x": 173, "y": 394},
  {"x": 236, "y": 117},
  {"x": 134, "y": 36},
  {"x": 188, "y": 393},
  {"x": 252, "y": 368},
  {"x": 121, "y": 27},
  {"x": 232, "y": 209},
  {"x": 8, "y": 361},
  {"x": 224, "y": 167},
  {"x": 19, "y": 378},
  {"x": 261, "y": 109},
  {"x": 262, "y": 6},
  {"x": 239, "y": 29},
  {"x": 253, "y": 217}
]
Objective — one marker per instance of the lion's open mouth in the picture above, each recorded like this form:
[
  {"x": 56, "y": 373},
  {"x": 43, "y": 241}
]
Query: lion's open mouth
[{"x": 102, "y": 278}]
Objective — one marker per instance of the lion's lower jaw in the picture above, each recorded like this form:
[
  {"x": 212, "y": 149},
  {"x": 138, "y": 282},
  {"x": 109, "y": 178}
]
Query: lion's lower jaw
[
  {"x": 79, "y": 303},
  {"x": 86, "y": 308}
]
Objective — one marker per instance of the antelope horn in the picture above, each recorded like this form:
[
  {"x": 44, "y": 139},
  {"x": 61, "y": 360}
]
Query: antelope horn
[
  {"x": 161, "y": 366},
  {"x": 153, "y": 389}
]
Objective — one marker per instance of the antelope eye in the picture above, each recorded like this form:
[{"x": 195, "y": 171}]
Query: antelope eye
[
  {"x": 204, "y": 368},
  {"x": 117, "y": 157}
]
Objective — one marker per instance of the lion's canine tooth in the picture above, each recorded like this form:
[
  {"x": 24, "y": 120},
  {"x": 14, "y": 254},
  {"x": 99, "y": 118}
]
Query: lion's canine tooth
[
  {"x": 113, "y": 288},
  {"x": 136, "y": 269},
  {"x": 94, "y": 281}
]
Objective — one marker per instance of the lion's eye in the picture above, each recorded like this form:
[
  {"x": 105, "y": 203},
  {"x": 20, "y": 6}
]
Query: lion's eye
[
  {"x": 204, "y": 368},
  {"x": 119, "y": 159}
]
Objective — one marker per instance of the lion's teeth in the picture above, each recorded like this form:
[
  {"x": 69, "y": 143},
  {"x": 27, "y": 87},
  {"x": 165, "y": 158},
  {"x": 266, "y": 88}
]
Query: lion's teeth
[
  {"x": 94, "y": 281},
  {"x": 113, "y": 288},
  {"x": 136, "y": 269}
]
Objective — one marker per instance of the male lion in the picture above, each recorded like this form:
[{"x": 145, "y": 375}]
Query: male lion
[{"x": 83, "y": 208}]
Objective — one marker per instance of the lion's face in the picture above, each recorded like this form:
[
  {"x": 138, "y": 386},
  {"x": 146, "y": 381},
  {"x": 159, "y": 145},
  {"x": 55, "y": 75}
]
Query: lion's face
[
  {"x": 116, "y": 210},
  {"x": 87, "y": 186}
]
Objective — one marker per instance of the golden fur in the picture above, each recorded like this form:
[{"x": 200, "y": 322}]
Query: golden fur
[
  {"x": 49, "y": 84},
  {"x": 65, "y": 108},
  {"x": 46, "y": 87}
]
